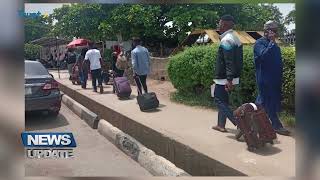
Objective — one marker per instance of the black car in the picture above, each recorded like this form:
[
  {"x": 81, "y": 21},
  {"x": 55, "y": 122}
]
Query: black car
[{"x": 41, "y": 90}]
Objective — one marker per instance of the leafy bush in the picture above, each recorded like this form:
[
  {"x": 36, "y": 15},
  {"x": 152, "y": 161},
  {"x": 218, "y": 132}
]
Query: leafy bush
[
  {"x": 31, "y": 51},
  {"x": 195, "y": 66},
  {"x": 192, "y": 67}
]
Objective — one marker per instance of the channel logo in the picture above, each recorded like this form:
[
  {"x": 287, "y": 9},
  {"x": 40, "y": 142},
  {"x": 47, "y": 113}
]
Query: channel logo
[{"x": 48, "y": 145}]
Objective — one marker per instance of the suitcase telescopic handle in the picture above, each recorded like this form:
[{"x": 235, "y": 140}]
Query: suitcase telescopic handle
[{"x": 140, "y": 84}]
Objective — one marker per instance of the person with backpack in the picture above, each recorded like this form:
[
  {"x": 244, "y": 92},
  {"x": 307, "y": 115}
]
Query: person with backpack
[
  {"x": 140, "y": 57},
  {"x": 71, "y": 60},
  {"x": 118, "y": 61}
]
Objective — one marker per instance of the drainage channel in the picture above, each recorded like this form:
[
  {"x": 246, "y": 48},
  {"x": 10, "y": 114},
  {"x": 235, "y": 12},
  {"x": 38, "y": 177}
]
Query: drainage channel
[{"x": 193, "y": 162}]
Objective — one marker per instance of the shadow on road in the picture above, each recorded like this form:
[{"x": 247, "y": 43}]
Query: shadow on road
[
  {"x": 42, "y": 121},
  {"x": 267, "y": 150}
]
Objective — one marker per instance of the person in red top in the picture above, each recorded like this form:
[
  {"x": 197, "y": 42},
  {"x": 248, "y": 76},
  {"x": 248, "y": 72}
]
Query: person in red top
[{"x": 116, "y": 52}]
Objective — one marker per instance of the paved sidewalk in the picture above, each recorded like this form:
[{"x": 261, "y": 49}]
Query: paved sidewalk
[{"x": 192, "y": 127}]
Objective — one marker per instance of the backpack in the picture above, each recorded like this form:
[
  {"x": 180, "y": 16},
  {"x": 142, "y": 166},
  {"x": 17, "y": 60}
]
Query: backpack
[
  {"x": 122, "y": 62},
  {"x": 72, "y": 58}
]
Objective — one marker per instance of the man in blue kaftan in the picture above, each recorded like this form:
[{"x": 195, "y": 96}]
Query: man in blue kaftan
[{"x": 269, "y": 67}]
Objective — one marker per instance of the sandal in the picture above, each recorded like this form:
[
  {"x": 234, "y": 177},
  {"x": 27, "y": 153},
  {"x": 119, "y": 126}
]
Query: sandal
[{"x": 218, "y": 128}]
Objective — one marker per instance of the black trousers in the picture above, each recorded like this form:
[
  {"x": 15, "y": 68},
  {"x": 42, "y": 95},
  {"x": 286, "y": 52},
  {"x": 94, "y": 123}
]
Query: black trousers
[
  {"x": 96, "y": 75},
  {"x": 143, "y": 80}
]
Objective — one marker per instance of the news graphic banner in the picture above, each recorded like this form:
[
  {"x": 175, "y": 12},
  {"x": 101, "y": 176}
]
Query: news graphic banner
[{"x": 48, "y": 145}]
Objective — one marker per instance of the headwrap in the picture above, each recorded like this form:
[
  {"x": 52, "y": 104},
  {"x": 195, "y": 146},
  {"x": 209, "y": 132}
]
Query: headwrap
[{"x": 116, "y": 49}]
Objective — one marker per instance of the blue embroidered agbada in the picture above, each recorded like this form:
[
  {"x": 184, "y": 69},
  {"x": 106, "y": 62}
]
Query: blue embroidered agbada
[{"x": 269, "y": 67}]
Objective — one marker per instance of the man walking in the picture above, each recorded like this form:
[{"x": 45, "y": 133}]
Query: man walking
[
  {"x": 140, "y": 64},
  {"x": 94, "y": 57},
  {"x": 269, "y": 67},
  {"x": 227, "y": 70},
  {"x": 71, "y": 60}
]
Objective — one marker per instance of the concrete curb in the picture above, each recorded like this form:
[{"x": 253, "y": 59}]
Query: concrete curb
[
  {"x": 88, "y": 116},
  {"x": 156, "y": 165}
]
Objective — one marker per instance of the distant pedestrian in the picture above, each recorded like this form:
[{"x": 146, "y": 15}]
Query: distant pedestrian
[
  {"x": 269, "y": 67},
  {"x": 83, "y": 68},
  {"x": 227, "y": 70},
  {"x": 140, "y": 64},
  {"x": 115, "y": 54},
  {"x": 94, "y": 57},
  {"x": 71, "y": 60}
]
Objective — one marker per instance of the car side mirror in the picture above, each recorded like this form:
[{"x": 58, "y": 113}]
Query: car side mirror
[{"x": 51, "y": 75}]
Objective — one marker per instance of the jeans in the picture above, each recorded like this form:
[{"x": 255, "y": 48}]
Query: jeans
[
  {"x": 96, "y": 75},
  {"x": 273, "y": 116},
  {"x": 70, "y": 66},
  {"x": 83, "y": 78},
  {"x": 143, "y": 79},
  {"x": 221, "y": 98}
]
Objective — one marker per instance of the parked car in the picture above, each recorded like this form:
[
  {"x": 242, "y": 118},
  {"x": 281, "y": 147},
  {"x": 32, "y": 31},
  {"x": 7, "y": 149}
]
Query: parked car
[{"x": 41, "y": 90}]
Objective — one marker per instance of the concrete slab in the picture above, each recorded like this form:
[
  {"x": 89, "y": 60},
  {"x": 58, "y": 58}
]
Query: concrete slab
[
  {"x": 156, "y": 165},
  {"x": 183, "y": 135}
]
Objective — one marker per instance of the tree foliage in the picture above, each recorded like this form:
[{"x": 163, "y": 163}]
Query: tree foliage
[
  {"x": 31, "y": 51},
  {"x": 156, "y": 23},
  {"x": 290, "y": 18},
  {"x": 35, "y": 27},
  {"x": 78, "y": 20}
]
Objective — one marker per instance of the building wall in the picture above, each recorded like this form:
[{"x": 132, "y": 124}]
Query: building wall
[{"x": 159, "y": 68}]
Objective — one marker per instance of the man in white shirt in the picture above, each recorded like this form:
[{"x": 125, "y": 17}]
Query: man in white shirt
[{"x": 94, "y": 57}]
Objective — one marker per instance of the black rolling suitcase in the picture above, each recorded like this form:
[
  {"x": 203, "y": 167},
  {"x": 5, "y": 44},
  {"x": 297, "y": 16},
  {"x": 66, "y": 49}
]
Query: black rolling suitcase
[{"x": 147, "y": 101}]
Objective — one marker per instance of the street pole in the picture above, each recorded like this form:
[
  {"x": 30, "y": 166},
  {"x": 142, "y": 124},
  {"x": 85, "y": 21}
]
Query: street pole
[{"x": 58, "y": 58}]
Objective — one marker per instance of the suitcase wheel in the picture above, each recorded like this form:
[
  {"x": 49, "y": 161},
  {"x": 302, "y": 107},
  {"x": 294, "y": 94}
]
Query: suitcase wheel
[
  {"x": 239, "y": 134},
  {"x": 251, "y": 148}
]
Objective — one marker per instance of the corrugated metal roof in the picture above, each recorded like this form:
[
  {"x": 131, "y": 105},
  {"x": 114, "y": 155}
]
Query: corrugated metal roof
[
  {"x": 50, "y": 41},
  {"x": 213, "y": 35},
  {"x": 246, "y": 37}
]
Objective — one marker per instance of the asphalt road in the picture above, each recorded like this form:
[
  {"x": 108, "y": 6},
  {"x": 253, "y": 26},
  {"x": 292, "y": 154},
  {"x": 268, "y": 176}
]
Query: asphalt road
[{"x": 93, "y": 156}]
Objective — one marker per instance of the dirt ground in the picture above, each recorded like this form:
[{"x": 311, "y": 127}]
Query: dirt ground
[{"x": 161, "y": 88}]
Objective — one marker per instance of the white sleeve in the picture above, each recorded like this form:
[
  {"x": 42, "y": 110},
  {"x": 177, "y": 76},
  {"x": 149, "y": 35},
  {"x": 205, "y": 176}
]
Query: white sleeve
[
  {"x": 99, "y": 54},
  {"x": 86, "y": 56}
]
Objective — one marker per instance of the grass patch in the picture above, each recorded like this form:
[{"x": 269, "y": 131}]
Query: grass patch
[
  {"x": 191, "y": 99},
  {"x": 205, "y": 100},
  {"x": 288, "y": 118}
]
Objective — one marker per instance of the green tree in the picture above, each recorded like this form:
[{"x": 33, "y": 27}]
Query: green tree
[
  {"x": 253, "y": 17},
  {"x": 186, "y": 18},
  {"x": 78, "y": 20},
  {"x": 35, "y": 27},
  {"x": 31, "y": 51},
  {"x": 133, "y": 20},
  {"x": 290, "y": 18}
]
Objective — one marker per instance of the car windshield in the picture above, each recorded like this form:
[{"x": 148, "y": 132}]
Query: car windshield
[{"x": 35, "y": 69}]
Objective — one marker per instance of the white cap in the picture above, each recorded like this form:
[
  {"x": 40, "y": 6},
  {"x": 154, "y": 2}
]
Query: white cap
[{"x": 271, "y": 25}]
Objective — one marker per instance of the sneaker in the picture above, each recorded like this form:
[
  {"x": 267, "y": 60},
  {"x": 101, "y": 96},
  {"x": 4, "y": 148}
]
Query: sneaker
[{"x": 283, "y": 131}]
